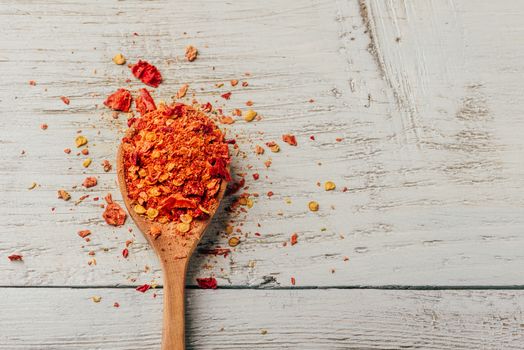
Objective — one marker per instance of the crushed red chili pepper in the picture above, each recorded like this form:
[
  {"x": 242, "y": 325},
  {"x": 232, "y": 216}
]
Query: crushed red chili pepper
[
  {"x": 294, "y": 239},
  {"x": 147, "y": 73},
  {"x": 65, "y": 100},
  {"x": 175, "y": 159},
  {"x": 226, "y": 96},
  {"x": 90, "y": 181},
  {"x": 125, "y": 253},
  {"x": 15, "y": 257},
  {"x": 289, "y": 139},
  {"x": 114, "y": 214},
  {"x": 120, "y": 100},
  {"x": 207, "y": 283},
  {"x": 144, "y": 102},
  {"x": 143, "y": 288}
]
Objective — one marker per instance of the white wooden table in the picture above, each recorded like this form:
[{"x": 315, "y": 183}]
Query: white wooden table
[{"x": 426, "y": 97}]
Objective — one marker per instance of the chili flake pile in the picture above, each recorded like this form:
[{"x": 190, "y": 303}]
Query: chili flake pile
[{"x": 175, "y": 159}]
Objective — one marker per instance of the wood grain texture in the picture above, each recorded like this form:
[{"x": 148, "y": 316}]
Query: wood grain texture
[
  {"x": 293, "y": 319},
  {"x": 431, "y": 148}
]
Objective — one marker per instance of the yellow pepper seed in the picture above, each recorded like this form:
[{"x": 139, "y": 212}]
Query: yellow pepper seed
[
  {"x": 86, "y": 163},
  {"x": 142, "y": 172},
  {"x": 186, "y": 218},
  {"x": 152, "y": 213},
  {"x": 329, "y": 186},
  {"x": 313, "y": 206},
  {"x": 234, "y": 241},
  {"x": 119, "y": 59},
  {"x": 80, "y": 141},
  {"x": 33, "y": 185},
  {"x": 275, "y": 148},
  {"x": 96, "y": 299},
  {"x": 250, "y": 115},
  {"x": 182, "y": 227},
  {"x": 150, "y": 136},
  {"x": 139, "y": 209}
]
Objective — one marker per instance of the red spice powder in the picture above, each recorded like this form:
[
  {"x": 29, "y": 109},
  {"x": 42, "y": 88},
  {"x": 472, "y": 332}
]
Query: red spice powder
[
  {"x": 144, "y": 102},
  {"x": 207, "y": 283},
  {"x": 147, "y": 73},
  {"x": 175, "y": 159},
  {"x": 120, "y": 100}
]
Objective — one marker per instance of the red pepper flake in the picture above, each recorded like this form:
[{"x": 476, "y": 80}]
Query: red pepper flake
[
  {"x": 215, "y": 251},
  {"x": 226, "y": 120},
  {"x": 245, "y": 83},
  {"x": 311, "y": 100},
  {"x": 143, "y": 288},
  {"x": 294, "y": 239},
  {"x": 65, "y": 100},
  {"x": 312, "y": 137},
  {"x": 293, "y": 281},
  {"x": 106, "y": 165},
  {"x": 116, "y": 304},
  {"x": 234, "y": 82},
  {"x": 90, "y": 181},
  {"x": 338, "y": 139},
  {"x": 120, "y": 100},
  {"x": 144, "y": 103},
  {"x": 114, "y": 214},
  {"x": 15, "y": 257},
  {"x": 182, "y": 91},
  {"x": 237, "y": 112},
  {"x": 84, "y": 233},
  {"x": 147, "y": 73},
  {"x": 256, "y": 176},
  {"x": 44, "y": 126},
  {"x": 346, "y": 258},
  {"x": 289, "y": 139},
  {"x": 125, "y": 253},
  {"x": 345, "y": 189},
  {"x": 191, "y": 53},
  {"x": 207, "y": 283},
  {"x": 85, "y": 151},
  {"x": 226, "y": 96},
  {"x": 270, "y": 194},
  {"x": 67, "y": 150},
  {"x": 32, "y": 82},
  {"x": 257, "y": 234},
  {"x": 249, "y": 103}
]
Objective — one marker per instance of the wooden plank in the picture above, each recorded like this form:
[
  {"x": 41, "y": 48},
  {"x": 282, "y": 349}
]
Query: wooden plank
[
  {"x": 293, "y": 319},
  {"x": 429, "y": 154}
]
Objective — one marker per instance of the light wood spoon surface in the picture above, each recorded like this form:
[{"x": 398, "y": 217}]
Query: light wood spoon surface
[{"x": 174, "y": 250}]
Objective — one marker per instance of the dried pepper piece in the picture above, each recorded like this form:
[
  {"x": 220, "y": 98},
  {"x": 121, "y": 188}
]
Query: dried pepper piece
[
  {"x": 207, "y": 283},
  {"x": 63, "y": 194},
  {"x": 114, "y": 214},
  {"x": 226, "y": 120},
  {"x": 234, "y": 82},
  {"x": 119, "y": 59},
  {"x": 289, "y": 139},
  {"x": 144, "y": 103},
  {"x": 259, "y": 150},
  {"x": 125, "y": 253},
  {"x": 226, "y": 96},
  {"x": 44, "y": 126},
  {"x": 90, "y": 181},
  {"x": 273, "y": 146},
  {"x": 175, "y": 159},
  {"x": 120, "y": 100},
  {"x": 106, "y": 165},
  {"x": 191, "y": 53},
  {"x": 293, "y": 281},
  {"x": 85, "y": 152},
  {"x": 84, "y": 233},
  {"x": 294, "y": 239},
  {"x": 329, "y": 186},
  {"x": 182, "y": 91},
  {"x": 32, "y": 82},
  {"x": 147, "y": 73},
  {"x": 65, "y": 100},
  {"x": 67, "y": 150},
  {"x": 143, "y": 288},
  {"x": 15, "y": 257}
]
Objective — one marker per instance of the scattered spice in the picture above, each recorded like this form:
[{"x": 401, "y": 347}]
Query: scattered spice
[
  {"x": 256, "y": 176},
  {"x": 65, "y": 100},
  {"x": 125, "y": 253},
  {"x": 90, "y": 181},
  {"x": 259, "y": 150},
  {"x": 289, "y": 139},
  {"x": 106, "y": 165},
  {"x": 226, "y": 120},
  {"x": 44, "y": 126},
  {"x": 175, "y": 159},
  {"x": 63, "y": 194},
  {"x": 87, "y": 162},
  {"x": 182, "y": 91},
  {"x": 119, "y": 59},
  {"x": 32, "y": 82},
  {"x": 144, "y": 102},
  {"x": 273, "y": 146},
  {"x": 226, "y": 96},
  {"x": 84, "y": 233},
  {"x": 147, "y": 73},
  {"x": 234, "y": 82},
  {"x": 250, "y": 115},
  {"x": 313, "y": 206},
  {"x": 85, "y": 152},
  {"x": 114, "y": 214},
  {"x": 67, "y": 150},
  {"x": 245, "y": 83},
  {"x": 143, "y": 288},
  {"x": 249, "y": 103},
  {"x": 293, "y": 281},
  {"x": 15, "y": 257},
  {"x": 294, "y": 239},
  {"x": 116, "y": 304},
  {"x": 80, "y": 141},
  {"x": 96, "y": 299},
  {"x": 329, "y": 186},
  {"x": 233, "y": 241},
  {"x": 120, "y": 100},
  {"x": 32, "y": 186},
  {"x": 191, "y": 53},
  {"x": 207, "y": 283}
]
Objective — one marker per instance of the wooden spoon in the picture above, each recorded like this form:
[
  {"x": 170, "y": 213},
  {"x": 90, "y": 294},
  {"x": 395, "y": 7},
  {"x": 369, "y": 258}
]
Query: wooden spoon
[{"x": 174, "y": 250}]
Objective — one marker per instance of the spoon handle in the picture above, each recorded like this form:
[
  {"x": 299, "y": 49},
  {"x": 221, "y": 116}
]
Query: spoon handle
[{"x": 173, "y": 337}]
